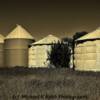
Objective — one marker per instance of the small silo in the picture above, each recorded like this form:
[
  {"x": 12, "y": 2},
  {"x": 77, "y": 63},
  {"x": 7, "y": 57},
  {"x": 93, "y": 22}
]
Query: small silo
[
  {"x": 1, "y": 51},
  {"x": 16, "y": 47},
  {"x": 38, "y": 51},
  {"x": 87, "y": 52}
]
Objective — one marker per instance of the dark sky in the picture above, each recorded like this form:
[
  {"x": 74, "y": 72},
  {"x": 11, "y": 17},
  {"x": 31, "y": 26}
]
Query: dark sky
[{"x": 43, "y": 17}]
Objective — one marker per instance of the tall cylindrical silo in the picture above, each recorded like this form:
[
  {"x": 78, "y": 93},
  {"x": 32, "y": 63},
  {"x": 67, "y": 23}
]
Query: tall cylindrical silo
[
  {"x": 16, "y": 47},
  {"x": 1, "y": 51}
]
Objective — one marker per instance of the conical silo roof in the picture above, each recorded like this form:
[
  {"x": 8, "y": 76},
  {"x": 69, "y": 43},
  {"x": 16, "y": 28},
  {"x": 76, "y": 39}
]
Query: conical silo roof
[
  {"x": 2, "y": 38},
  {"x": 47, "y": 40},
  {"x": 92, "y": 35},
  {"x": 19, "y": 33}
]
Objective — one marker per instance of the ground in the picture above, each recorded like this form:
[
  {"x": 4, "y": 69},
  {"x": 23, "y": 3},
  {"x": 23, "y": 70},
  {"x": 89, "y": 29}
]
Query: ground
[{"x": 48, "y": 84}]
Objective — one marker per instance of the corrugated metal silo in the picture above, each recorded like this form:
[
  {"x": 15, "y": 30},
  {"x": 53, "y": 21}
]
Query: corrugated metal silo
[
  {"x": 38, "y": 51},
  {"x": 16, "y": 47},
  {"x": 1, "y": 50},
  {"x": 87, "y": 52}
]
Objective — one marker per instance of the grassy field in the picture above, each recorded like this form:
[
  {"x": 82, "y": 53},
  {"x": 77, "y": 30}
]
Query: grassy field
[{"x": 48, "y": 84}]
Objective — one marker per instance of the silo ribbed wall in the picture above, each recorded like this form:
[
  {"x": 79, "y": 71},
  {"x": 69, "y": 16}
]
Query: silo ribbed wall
[
  {"x": 1, "y": 54},
  {"x": 16, "y": 52},
  {"x": 38, "y": 56},
  {"x": 87, "y": 56}
]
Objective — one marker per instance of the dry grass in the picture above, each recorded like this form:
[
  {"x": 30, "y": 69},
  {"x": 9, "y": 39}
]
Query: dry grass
[{"x": 24, "y": 84}]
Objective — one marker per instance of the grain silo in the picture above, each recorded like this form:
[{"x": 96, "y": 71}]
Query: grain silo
[
  {"x": 38, "y": 51},
  {"x": 87, "y": 52},
  {"x": 16, "y": 47},
  {"x": 1, "y": 50}
]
